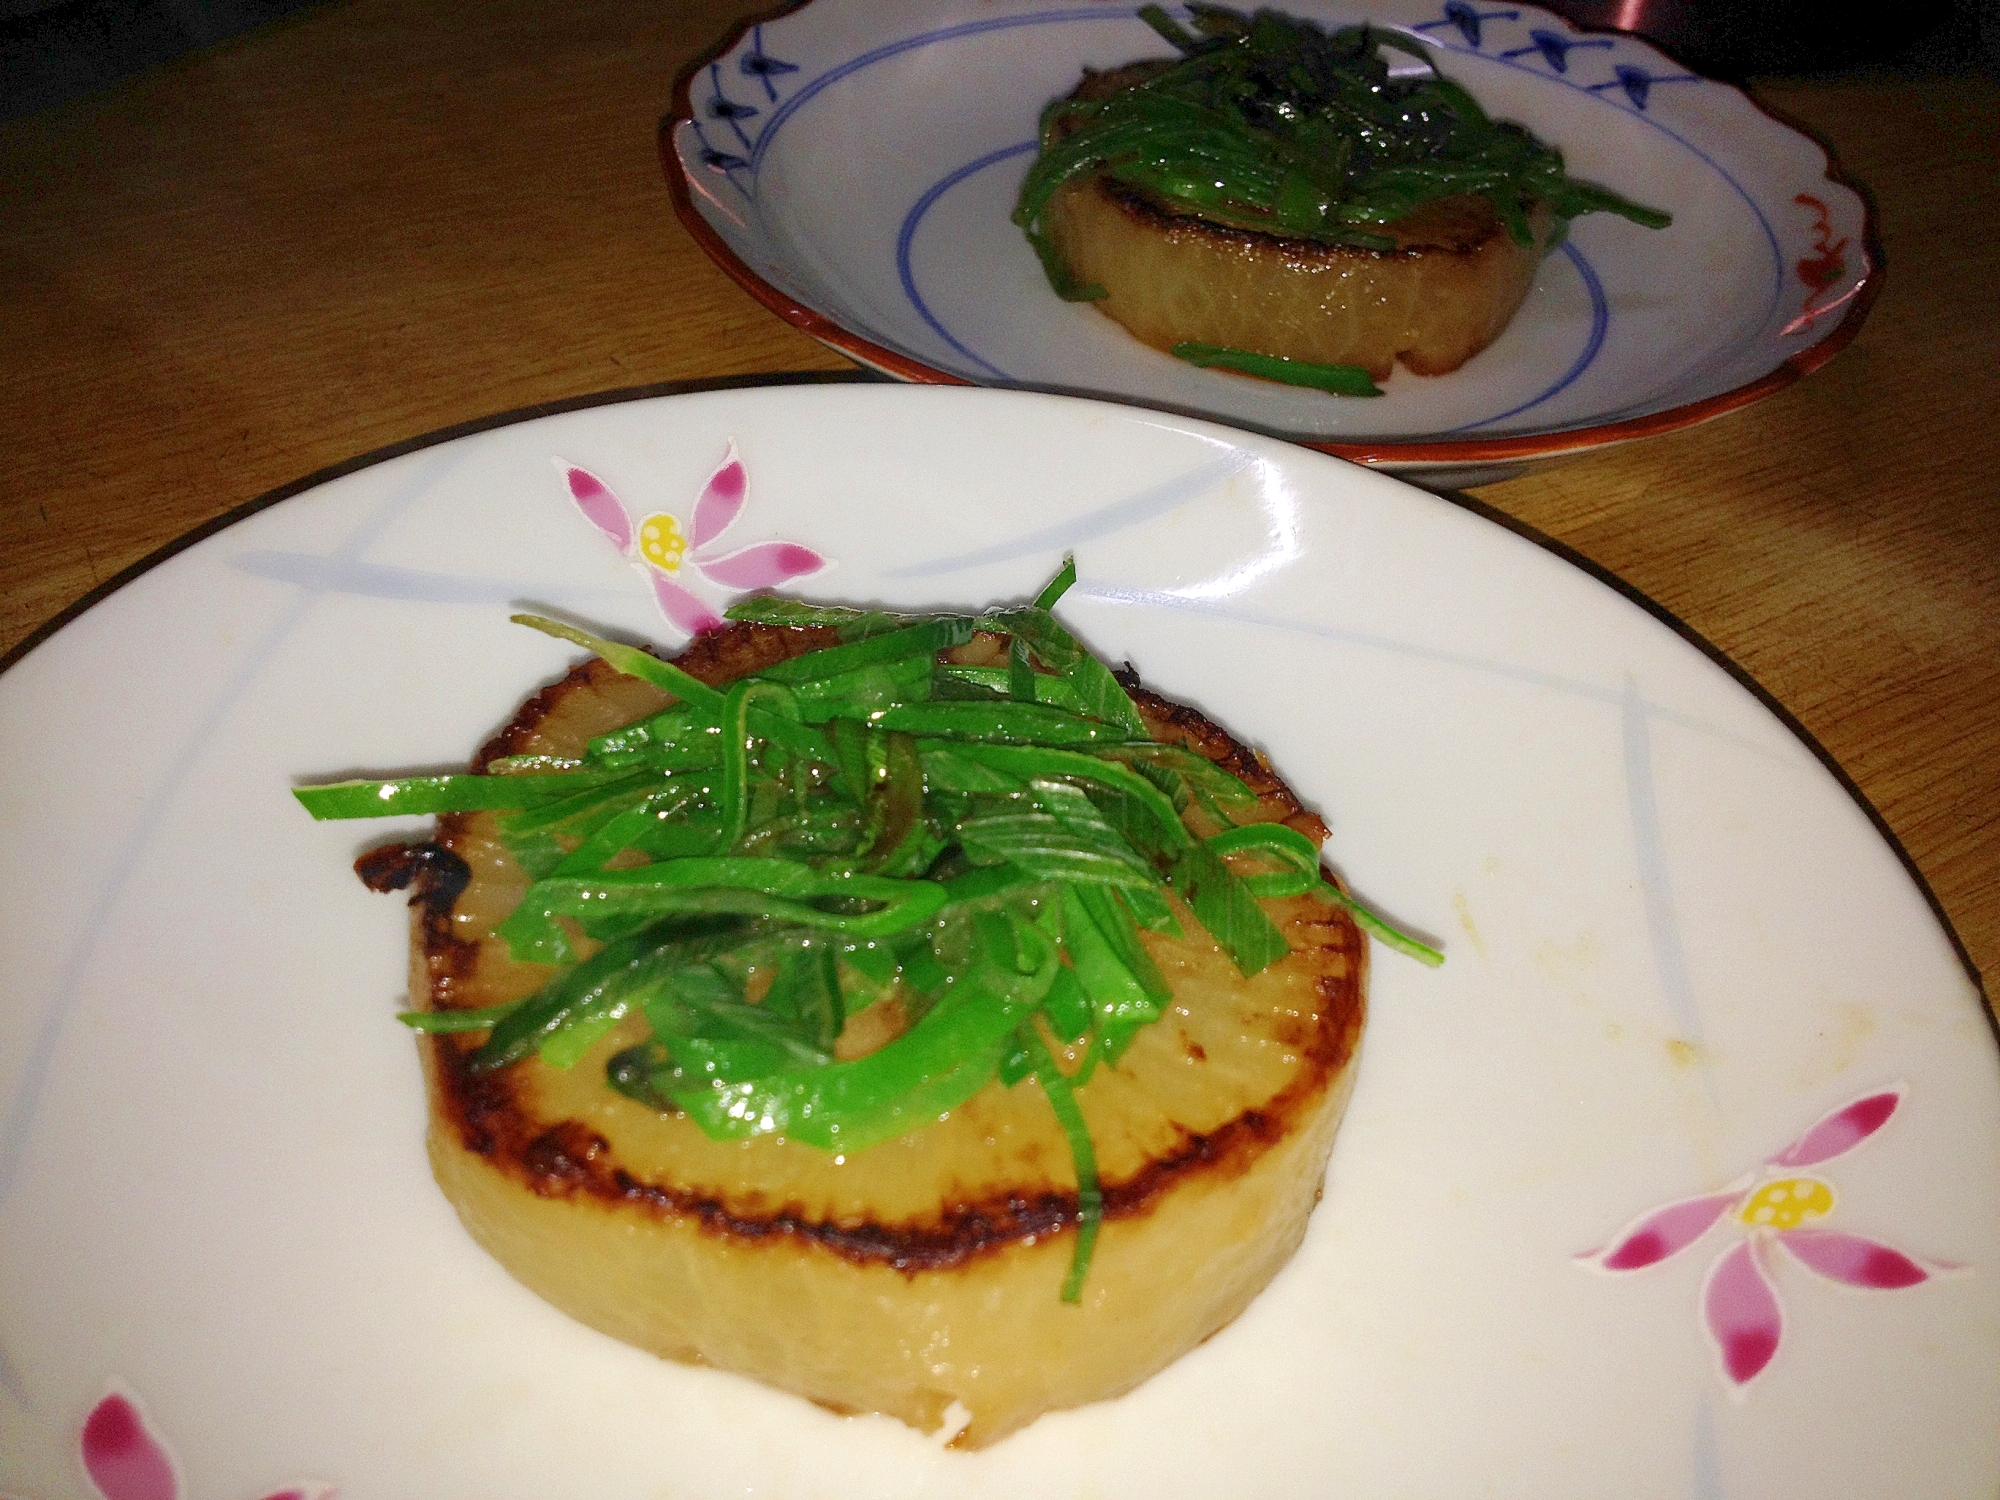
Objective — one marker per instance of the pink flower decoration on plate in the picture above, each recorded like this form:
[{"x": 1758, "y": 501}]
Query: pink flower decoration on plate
[
  {"x": 1772, "y": 1207},
  {"x": 126, "y": 1460},
  {"x": 662, "y": 550}
]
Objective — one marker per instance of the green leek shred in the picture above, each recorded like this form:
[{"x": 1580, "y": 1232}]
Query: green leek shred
[
  {"x": 1269, "y": 124},
  {"x": 985, "y": 842},
  {"x": 1337, "y": 380}
]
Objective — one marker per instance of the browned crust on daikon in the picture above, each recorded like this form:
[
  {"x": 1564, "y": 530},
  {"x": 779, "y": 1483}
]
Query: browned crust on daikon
[
  {"x": 716, "y": 657},
  {"x": 1454, "y": 280},
  {"x": 1456, "y": 226},
  {"x": 562, "y": 1158},
  {"x": 566, "y": 1159}
]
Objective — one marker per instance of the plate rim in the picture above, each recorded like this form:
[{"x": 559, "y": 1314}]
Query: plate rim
[{"x": 1390, "y": 453}]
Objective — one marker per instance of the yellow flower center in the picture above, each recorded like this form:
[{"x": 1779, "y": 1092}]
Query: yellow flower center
[
  {"x": 662, "y": 543},
  {"x": 1787, "y": 1203}
]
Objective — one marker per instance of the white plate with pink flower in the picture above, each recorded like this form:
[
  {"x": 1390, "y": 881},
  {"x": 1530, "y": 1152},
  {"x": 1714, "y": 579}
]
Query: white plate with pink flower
[{"x": 1680, "y": 1178}]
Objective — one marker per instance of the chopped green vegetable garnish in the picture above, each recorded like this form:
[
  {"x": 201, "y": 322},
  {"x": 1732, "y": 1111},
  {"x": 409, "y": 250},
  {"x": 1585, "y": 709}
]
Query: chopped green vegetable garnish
[
  {"x": 1338, "y": 380},
  {"x": 1267, "y": 123},
  {"x": 871, "y": 820},
  {"x": 1083, "y": 1153}
]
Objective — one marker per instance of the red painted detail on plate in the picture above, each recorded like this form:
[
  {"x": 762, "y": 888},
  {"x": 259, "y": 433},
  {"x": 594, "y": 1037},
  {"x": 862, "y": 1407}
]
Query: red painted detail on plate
[
  {"x": 764, "y": 566},
  {"x": 122, "y": 1457},
  {"x": 1666, "y": 1231},
  {"x": 126, "y": 1460},
  {"x": 1852, "y": 1260},
  {"x": 1738, "y": 1305},
  {"x": 682, "y": 607},
  {"x": 721, "y": 498},
  {"x": 1828, "y": 262},
  {"x": 1748, "y": 1352},
  {"x": 1840, "y": 1131},
  {"x": 1742, "y": 1314},
  {"x": 1648, "y": 1247},
  {"x": 664, "y": 557},
  {"x": 600, "y": 507}
]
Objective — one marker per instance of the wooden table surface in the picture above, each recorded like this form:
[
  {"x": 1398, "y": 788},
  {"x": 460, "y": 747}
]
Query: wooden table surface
[{"x": 380, "y": 218}]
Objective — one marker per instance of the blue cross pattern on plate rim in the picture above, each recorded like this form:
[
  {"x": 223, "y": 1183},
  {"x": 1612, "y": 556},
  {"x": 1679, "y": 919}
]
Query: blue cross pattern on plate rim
[{"x": 1461, "y": 27}]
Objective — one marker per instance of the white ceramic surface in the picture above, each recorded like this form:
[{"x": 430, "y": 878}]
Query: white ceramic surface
[
  {"x": 1675, "y": 944},
  {"x": 853, "y": 163}
]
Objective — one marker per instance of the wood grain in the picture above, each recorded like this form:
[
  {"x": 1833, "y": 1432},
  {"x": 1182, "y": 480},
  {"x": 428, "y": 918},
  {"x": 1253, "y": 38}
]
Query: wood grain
[{"x": 379, "y": 219}]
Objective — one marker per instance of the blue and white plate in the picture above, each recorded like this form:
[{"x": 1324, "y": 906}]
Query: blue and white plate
[
  {"x": 1680, "y": 1179},
  {"x": 853, "y": 164}
]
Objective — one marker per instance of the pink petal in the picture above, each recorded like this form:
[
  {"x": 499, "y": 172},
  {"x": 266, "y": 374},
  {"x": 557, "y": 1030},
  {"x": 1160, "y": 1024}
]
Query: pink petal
[
  {"x": 680, "y": 607},
  {"x": 1742, "y": 1314},
  {"x": 1654, "y": 1236},
  {"x": 600, "y": 507},
  {"x": 1853, "y": 1260},
  {"x": 1843, "y": 1130},
  {"x": 721, "y": 498},
  {"x": 762, "y": 566},
  {"x": 121, "y": 1455}
]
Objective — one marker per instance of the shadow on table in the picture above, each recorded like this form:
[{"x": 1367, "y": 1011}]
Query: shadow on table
[{"x": 52, "y": 51}]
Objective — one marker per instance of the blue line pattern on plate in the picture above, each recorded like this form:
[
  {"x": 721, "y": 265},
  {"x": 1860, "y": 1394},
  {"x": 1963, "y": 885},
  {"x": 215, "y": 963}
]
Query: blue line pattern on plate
[
  {"x": 1638, "y": 83},
  {"x": 17, "y": 1126},
  {"x": 1554, "y": 49},
  {"x": 1708, "y": 1483},
  {"x": 342, "y": 574},
  {"x": 726, "y": 162},
  {"x": 1469, "y": 21},
  {"x": 722, "y": 107},
  {"x": 1484, "y": 665},
  {"x": 908, "y": 233},
  {"x": 909, "y": 44},
  {"x": 1600, "y": 323},
  {"x": 1105, "y": 521},
  {"x": 1649, "y": 852},
  {"x": 1635, "y": 81},
  {"x": 759, "y": 64}
]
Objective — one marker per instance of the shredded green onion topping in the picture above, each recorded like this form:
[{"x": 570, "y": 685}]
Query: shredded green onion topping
[
  {"x": 1336, "y": 380},
  {"x": 865, "y": 819},
  {"x": 1267, "y": 123}
]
